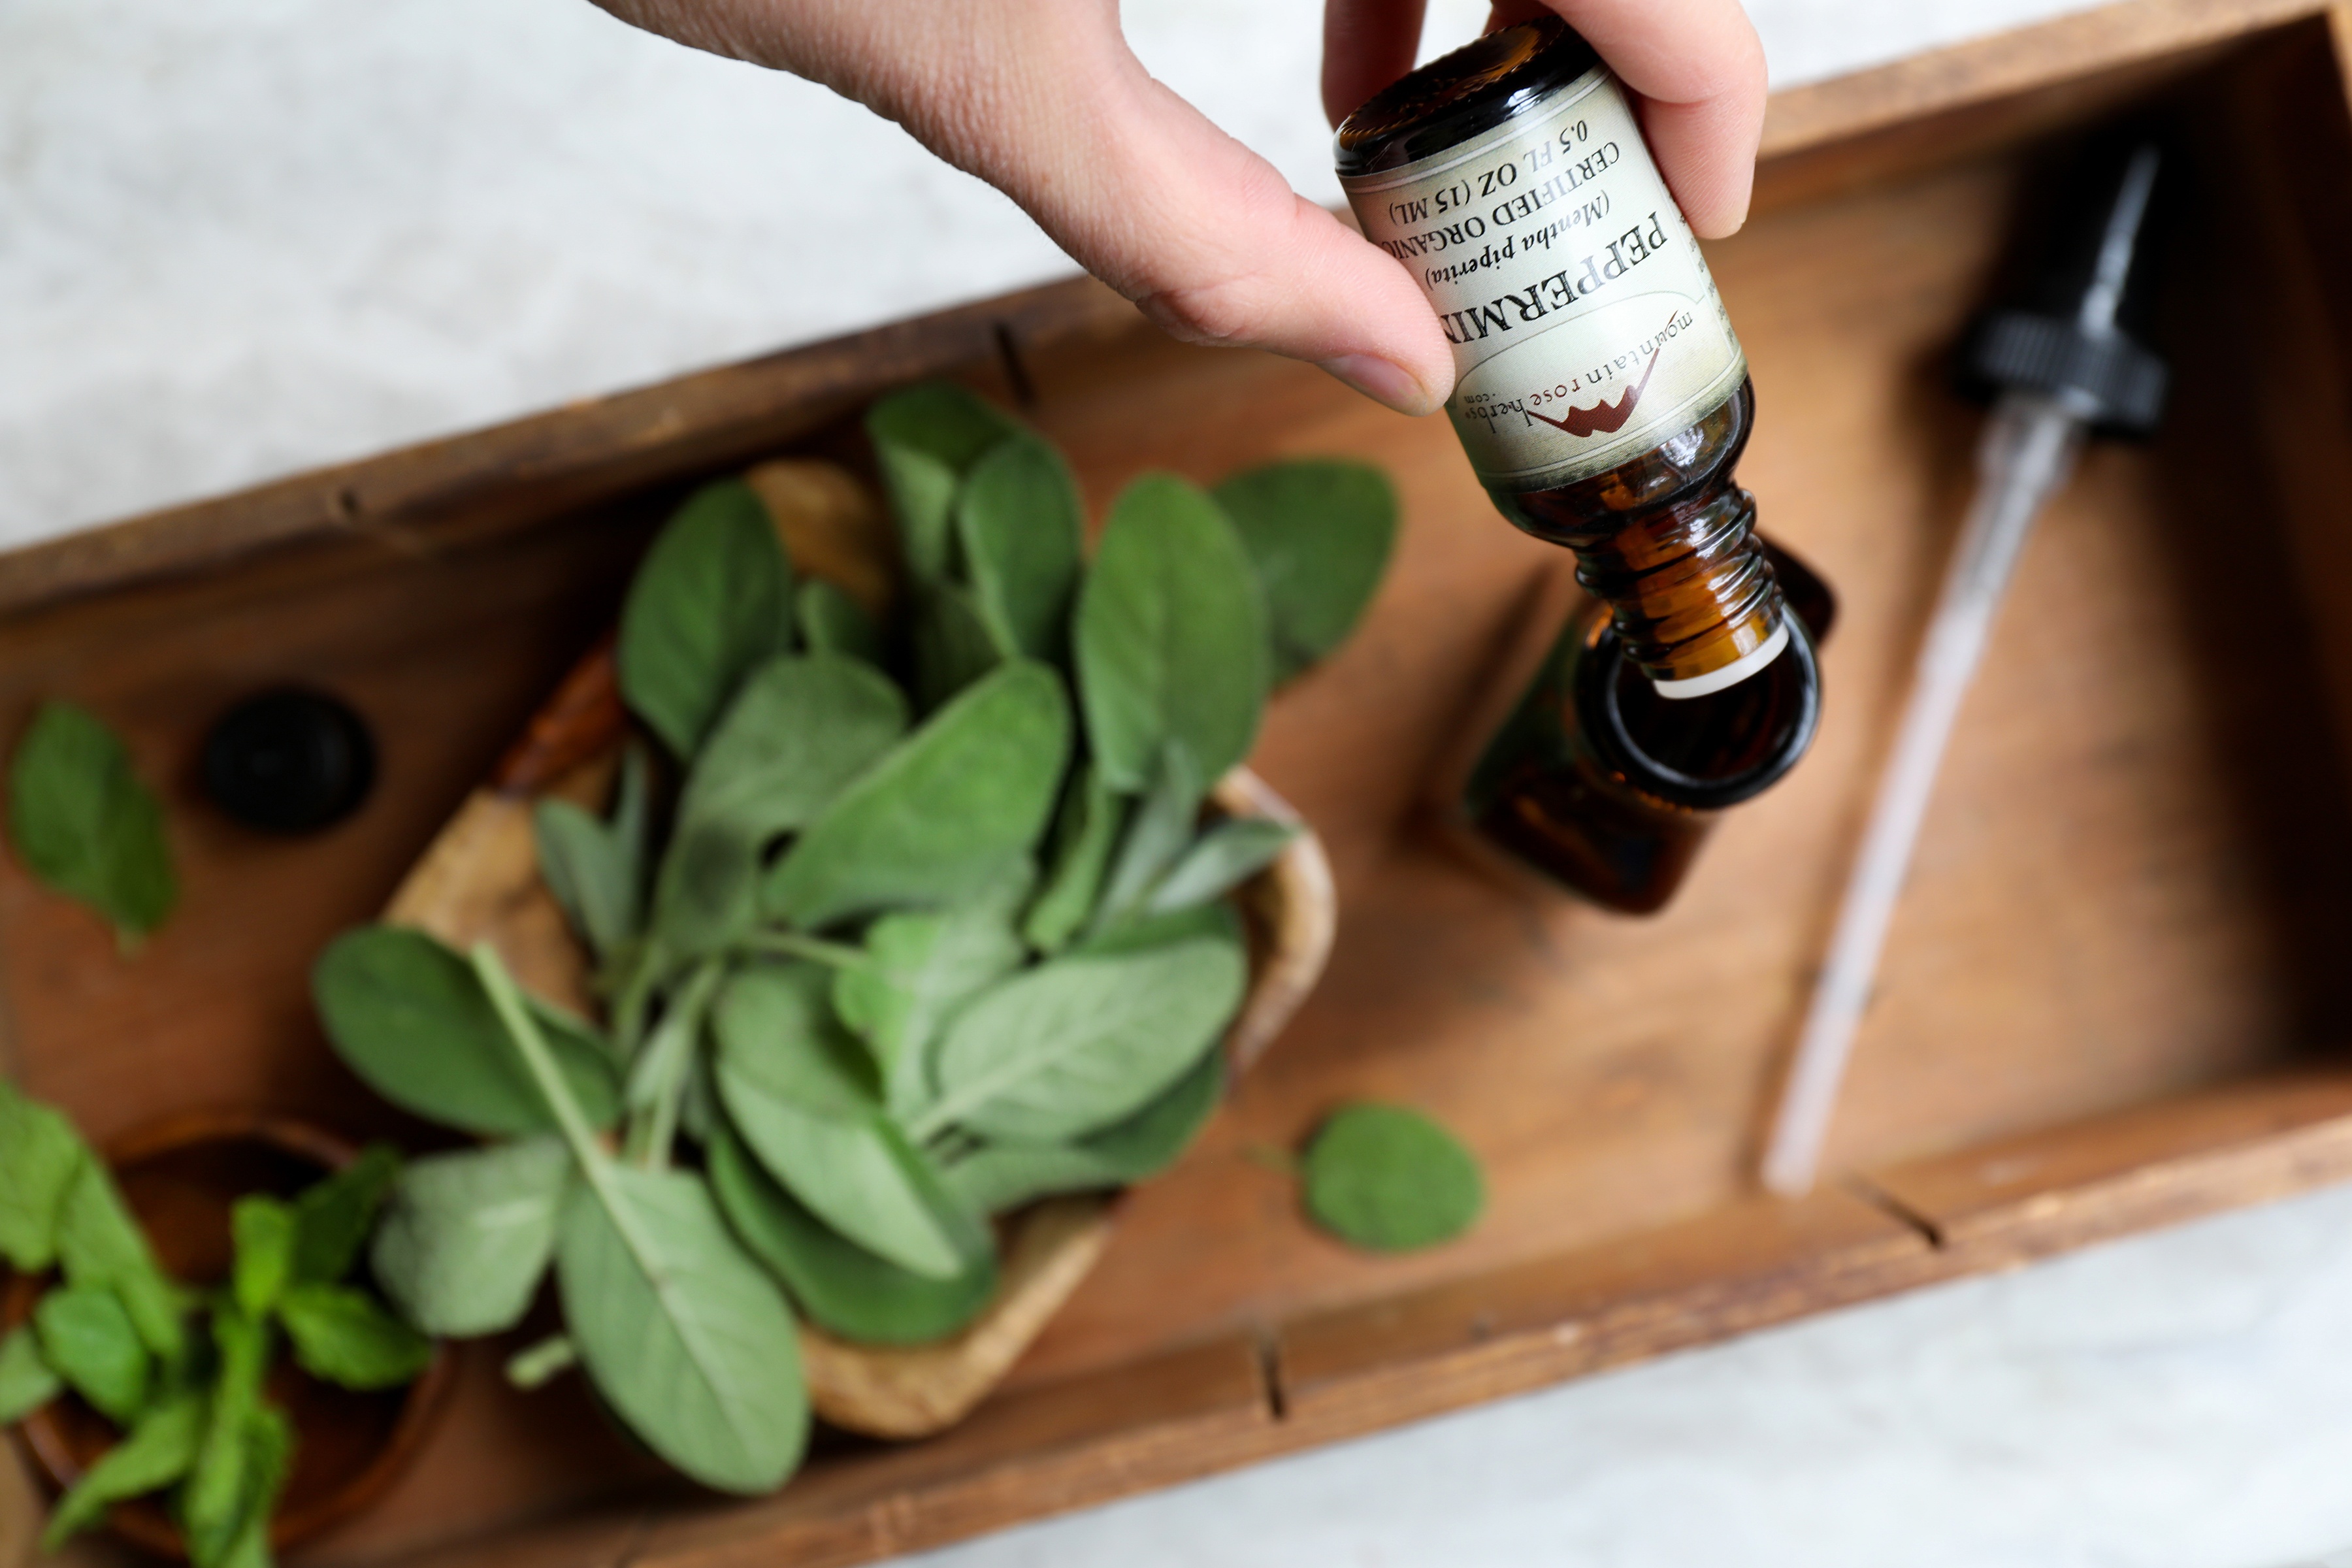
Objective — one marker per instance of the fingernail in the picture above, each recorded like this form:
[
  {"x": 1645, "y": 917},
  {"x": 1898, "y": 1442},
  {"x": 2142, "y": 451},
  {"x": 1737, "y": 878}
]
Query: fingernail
[{"x": 1382, "y": 382}]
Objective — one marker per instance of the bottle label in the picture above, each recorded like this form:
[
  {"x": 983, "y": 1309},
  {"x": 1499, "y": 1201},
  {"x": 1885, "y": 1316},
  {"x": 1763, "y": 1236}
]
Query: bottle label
[{"x": 1585, "y": 326}]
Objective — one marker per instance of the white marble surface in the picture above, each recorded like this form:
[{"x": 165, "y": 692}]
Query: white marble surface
[{"x": 246, "y": 237}]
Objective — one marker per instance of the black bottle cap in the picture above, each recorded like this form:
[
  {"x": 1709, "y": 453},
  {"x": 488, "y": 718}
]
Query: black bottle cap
[
  {"x": 2076, "y": 331},
  {"x": 288, "y": 760}
]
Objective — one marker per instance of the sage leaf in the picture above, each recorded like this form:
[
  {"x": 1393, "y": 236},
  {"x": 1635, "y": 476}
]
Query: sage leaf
[
  {"x": 263, "y": 1230},
  {"x": 340, "y": 1335},
  {"x": 840, "y": 1285},
  {"x": 158, "y": 1451},
  {"x": 923, "y": 967},
  {"x": 832, "y": 622},
  {"x": 1218, "y": 920},
  {"x": 467, "y": 1235},
  {"x": 409, "y": 1016},
  {"x": 1019, "y": 521},
  {"x": 39, "y": 1156},
  {"x": 951, "y": 644},
  {"x": 100, "y": 1246},
  {"x": 681, "y": 1331},
  {"x": 1085, "y": 830},
  {"x": 596, "y": 869},
  {"x": 800, "y": 1091},
  {"x": 220, "y": 1483},
  {"x": 942, "y": 814},
  {"x": 711, "y": 600},
  {"x": 83, "y": 824},
  {"x": 1161, "y": 827},
  {"x": 801, "y": 729},
  {"x": 27, "y": 1382},
  {"x": 1170, "y": 636},
  {"x": 1220, "y": 859},
  {"x": 1078, "y": 1043},
  {"x": 1319, "y": 531},
  {"x": 995, "y": 1177},
  {"x": 332, "y": 1217},
  {"x": 926, "y": 438},
  {"x": 269, "y": 1461},
  {"x": 88, "y": 1339},
  {"x": 1389, "y": 1179}
]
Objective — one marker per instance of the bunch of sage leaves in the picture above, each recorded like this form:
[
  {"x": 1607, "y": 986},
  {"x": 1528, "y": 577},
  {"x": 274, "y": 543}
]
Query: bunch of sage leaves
[
  {"x": 933, "y": 928},
  {"x": 182, "y": 1371}
]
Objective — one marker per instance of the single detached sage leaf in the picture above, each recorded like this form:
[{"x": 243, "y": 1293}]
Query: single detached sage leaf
[
  {"x": 332, "y": 1217},
  {"x": 711, "y": 600},
  {"x": 1223, "y": 858},
  {"x": 263, "y": 1229},
  {"x": 157, "y": 1452},
  {"x": 88, "y": 1340},
  {"x": 410, "y": 1018},
  {"x": 951, "y": 644},
  {"x": 100, "y": 1246},
  {"x": 27, "y": 1382},
  {"x": 681, "y": 1331},
  {"x": 1389, "y": 1179},
  {"x": 597, "y": 870},
  {"x": 1170, "y": 635},
  {"x": 468, "y": 1236},
  {"x": 1020, "y": 523},
  {"x": 797, "y": 1086},
  {"x": 834, "y": 623},
  {"x": 1085, "y": 830},
  {"x": 923, "y": 966},
  {"x": 1078, "y": 1043},
  {"x": 39, "y": 1156},
  {"x": 1319, "y": 531},
  {"x": 942, "y": 814},
  {"x": 926, "y": 438},
  {"x": 994, "y": 1177},
  {"x": 340, "y": 1335},
  {"x": 840, "y": 1285},
  {"x": 83, "y": 822}
]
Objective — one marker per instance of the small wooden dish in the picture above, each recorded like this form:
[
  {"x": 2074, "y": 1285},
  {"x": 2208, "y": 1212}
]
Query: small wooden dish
[
  {"x": 179, "y": 1178},
  {"x": 480, "y": 880}
]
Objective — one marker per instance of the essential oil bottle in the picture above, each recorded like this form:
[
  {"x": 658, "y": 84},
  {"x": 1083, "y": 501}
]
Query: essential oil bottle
[{"x": 1603, "y": 399}]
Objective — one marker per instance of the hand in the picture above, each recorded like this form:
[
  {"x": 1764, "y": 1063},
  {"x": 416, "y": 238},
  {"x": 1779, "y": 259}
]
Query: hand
[{"x": 1043, "y": 100}]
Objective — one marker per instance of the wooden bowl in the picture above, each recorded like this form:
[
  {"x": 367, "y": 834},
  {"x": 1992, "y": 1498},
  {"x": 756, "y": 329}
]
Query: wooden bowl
[
  {"x": 179, "y": 1178},
  {"x": 480, "y": 880}
]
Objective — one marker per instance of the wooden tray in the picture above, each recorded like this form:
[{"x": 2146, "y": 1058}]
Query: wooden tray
[{"x": 2114, "y": 995}]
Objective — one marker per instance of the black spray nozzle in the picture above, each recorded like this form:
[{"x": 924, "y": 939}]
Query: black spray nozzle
[{"x": 2073, "y": 335}]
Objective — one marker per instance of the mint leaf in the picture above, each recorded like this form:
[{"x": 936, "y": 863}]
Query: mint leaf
[
  {"x": 332, "y": 1217},
  {"x": 27, "y": 1382},
  {"x": 269, "y": 1461},
  {"x": 157, "y": 1452},
  {"x": 220, "y": 1486},
  {"x": 1390, "y": 1180},
  {"x": 467, "y": 1235},
  {"x": 83, "y": 824},
  {"x": 39, "y": 1156},
  {"x": 1319, "y": 531},
  {"x": 100, "y": 1246},
  {"x": 711, "y": 600},
  {"x": 263, "y": 1229},
  {"x": 88, "y": 1339},
  {"x": 340, "y": 1335}
]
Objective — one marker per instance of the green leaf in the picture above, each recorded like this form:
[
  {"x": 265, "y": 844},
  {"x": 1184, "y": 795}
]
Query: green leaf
[
  {"x": 597, "y": 870},
  {"x": 713, "y": 600},
  {"x": 926, "y": 438},
  {"x": 1223, "y": 858},
  {"x": 101, "y": 1247},
  {"x": 27, "y": 1382},
  {"x": 1021, "y": 525},
  {"x": 467, "y": 1234},
  {"x": 39, "y": 1156},
  {"x": 88, "y": 1339},
  {"x": 834, "y": 623},
  {"x": 951, "y": 641},
  {"x": 924, "y": 967},
  {"x": 1170, "y": 635},
  {"x": 684, "y": 1334},
  {"x": 998, "y": 1177},
  {"x": 1389, "y": 1179},
  {"x": 536, "y": 1366},
  {"x": 269, "y": 1461},
  {"x": 1078, "y": 1043},
  {"x": 332, "y": 1217},
  {"x": 157, "y": 1452},
  {"x": 1144, "y": 933},
  {"x": 1085, "y": 830},
  {"x": 83, "y": 822},
  {"x": 264, "y": 1232},
  {"x": 341, "y": 1335},
  {"x": 220, "y": 1484},
  {"x": 1163, "y": 825},
  {"x": 410, "y": 1018},
  {"x": 842, "y": 1286},
  {"x": 1319, "y": 531},
  {"x": 942, "y": 814},
  {"x": 799, "y": 1090}
]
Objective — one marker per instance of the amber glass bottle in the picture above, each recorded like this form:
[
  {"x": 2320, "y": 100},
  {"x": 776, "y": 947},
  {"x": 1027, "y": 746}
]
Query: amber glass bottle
[{"x": 1604, "y": 399}]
